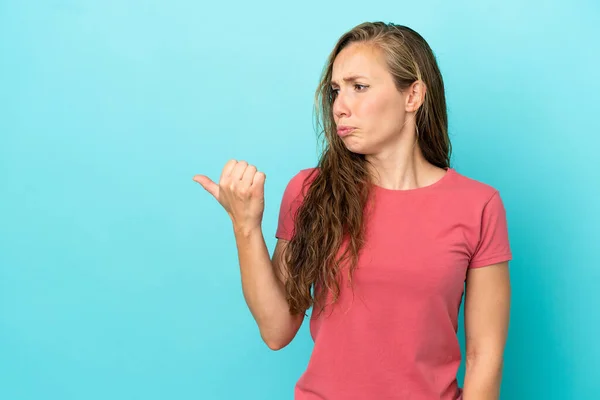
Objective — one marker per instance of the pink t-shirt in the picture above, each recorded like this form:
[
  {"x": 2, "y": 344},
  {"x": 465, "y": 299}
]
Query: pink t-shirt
[{"x": 395, "y": 335}]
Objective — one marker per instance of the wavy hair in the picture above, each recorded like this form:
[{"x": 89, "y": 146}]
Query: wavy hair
[{"x": 333, "y": 211}]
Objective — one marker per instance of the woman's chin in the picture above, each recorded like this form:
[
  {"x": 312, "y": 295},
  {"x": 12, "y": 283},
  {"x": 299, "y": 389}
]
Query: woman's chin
[{"x": 356, "y": 148}]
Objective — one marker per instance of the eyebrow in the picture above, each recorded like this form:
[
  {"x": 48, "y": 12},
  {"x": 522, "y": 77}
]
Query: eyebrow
[{"x": 351, "y": 78}]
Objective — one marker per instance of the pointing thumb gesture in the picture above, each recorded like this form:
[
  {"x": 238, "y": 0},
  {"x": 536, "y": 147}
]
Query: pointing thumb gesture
[
  {"x": 208, "y": 185},
  {"x": 241, "y": 192}
]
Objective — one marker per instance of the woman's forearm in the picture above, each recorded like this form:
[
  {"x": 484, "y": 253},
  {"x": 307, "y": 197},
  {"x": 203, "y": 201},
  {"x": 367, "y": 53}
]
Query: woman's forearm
[
  {"x": 263, "y": 292},
  {"x": 482, "y": 378}
]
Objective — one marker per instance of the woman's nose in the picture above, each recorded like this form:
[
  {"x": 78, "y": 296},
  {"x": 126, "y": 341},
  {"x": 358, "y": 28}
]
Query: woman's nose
[{"x": 340, "y": 107}]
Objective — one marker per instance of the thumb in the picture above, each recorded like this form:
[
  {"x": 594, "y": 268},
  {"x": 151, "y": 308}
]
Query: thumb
[{"x": 208, "y": 185}]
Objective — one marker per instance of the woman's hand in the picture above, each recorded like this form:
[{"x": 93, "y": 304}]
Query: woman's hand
[{"x": 241, "y": 193}]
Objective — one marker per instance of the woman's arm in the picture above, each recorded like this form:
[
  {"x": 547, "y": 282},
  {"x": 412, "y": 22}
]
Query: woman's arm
[
  {"x": 263, "y": 285},
  {"x": 241, "y": 193},
  {"x": 487, "y": 305}
]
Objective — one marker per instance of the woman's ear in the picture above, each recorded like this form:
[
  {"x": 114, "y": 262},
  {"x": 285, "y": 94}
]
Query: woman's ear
[{"x": 415, "y": 96}]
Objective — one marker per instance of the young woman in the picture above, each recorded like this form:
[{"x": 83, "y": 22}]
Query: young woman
[{"x": 382, "y": 239}]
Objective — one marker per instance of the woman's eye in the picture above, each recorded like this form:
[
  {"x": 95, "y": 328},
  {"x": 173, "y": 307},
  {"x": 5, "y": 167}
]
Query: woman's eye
[{"x": 356, "y": 86}]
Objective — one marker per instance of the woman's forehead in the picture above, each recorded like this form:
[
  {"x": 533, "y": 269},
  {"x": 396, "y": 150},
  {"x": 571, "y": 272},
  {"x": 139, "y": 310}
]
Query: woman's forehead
[{"x": 359, "y": 62}]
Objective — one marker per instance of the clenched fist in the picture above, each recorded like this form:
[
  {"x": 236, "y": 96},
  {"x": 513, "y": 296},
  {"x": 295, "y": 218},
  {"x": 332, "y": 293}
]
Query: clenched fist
[{"x": 241, "y": 192}]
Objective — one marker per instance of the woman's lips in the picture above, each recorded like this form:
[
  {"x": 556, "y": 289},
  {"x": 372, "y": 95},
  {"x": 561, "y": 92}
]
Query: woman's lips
[{"x": 344, "y": 131}]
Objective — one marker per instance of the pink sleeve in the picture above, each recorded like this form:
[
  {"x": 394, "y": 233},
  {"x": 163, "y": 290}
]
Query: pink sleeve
[
  {"x": 493, "y": 246},
  {"x": 289, "y": 205}
]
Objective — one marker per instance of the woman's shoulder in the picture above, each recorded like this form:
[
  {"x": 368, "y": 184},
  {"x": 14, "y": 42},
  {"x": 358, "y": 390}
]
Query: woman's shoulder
[
  {"x": 300, "y": 181},
  {"x": 460, "y": 181},
  {"x": 472, "y": 187},
  {"x": 303, "y": 175}
]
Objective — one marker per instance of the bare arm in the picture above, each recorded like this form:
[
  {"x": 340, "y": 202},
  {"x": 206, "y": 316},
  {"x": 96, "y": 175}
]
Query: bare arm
[
  {"x": 263, "y": 283},
  {"x": 241, "y": 193},
  {"x": 487, "y": 305}
]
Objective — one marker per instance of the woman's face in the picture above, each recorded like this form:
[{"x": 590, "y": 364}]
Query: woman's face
[{"x": 366, "y": 98}]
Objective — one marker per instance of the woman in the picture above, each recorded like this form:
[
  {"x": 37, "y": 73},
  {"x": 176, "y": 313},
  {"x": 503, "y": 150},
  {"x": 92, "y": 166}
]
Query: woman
[{"x": 380, "y": 238}]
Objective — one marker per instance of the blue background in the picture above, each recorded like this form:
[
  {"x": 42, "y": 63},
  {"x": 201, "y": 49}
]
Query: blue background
[{"x": 118, "y": 274}]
